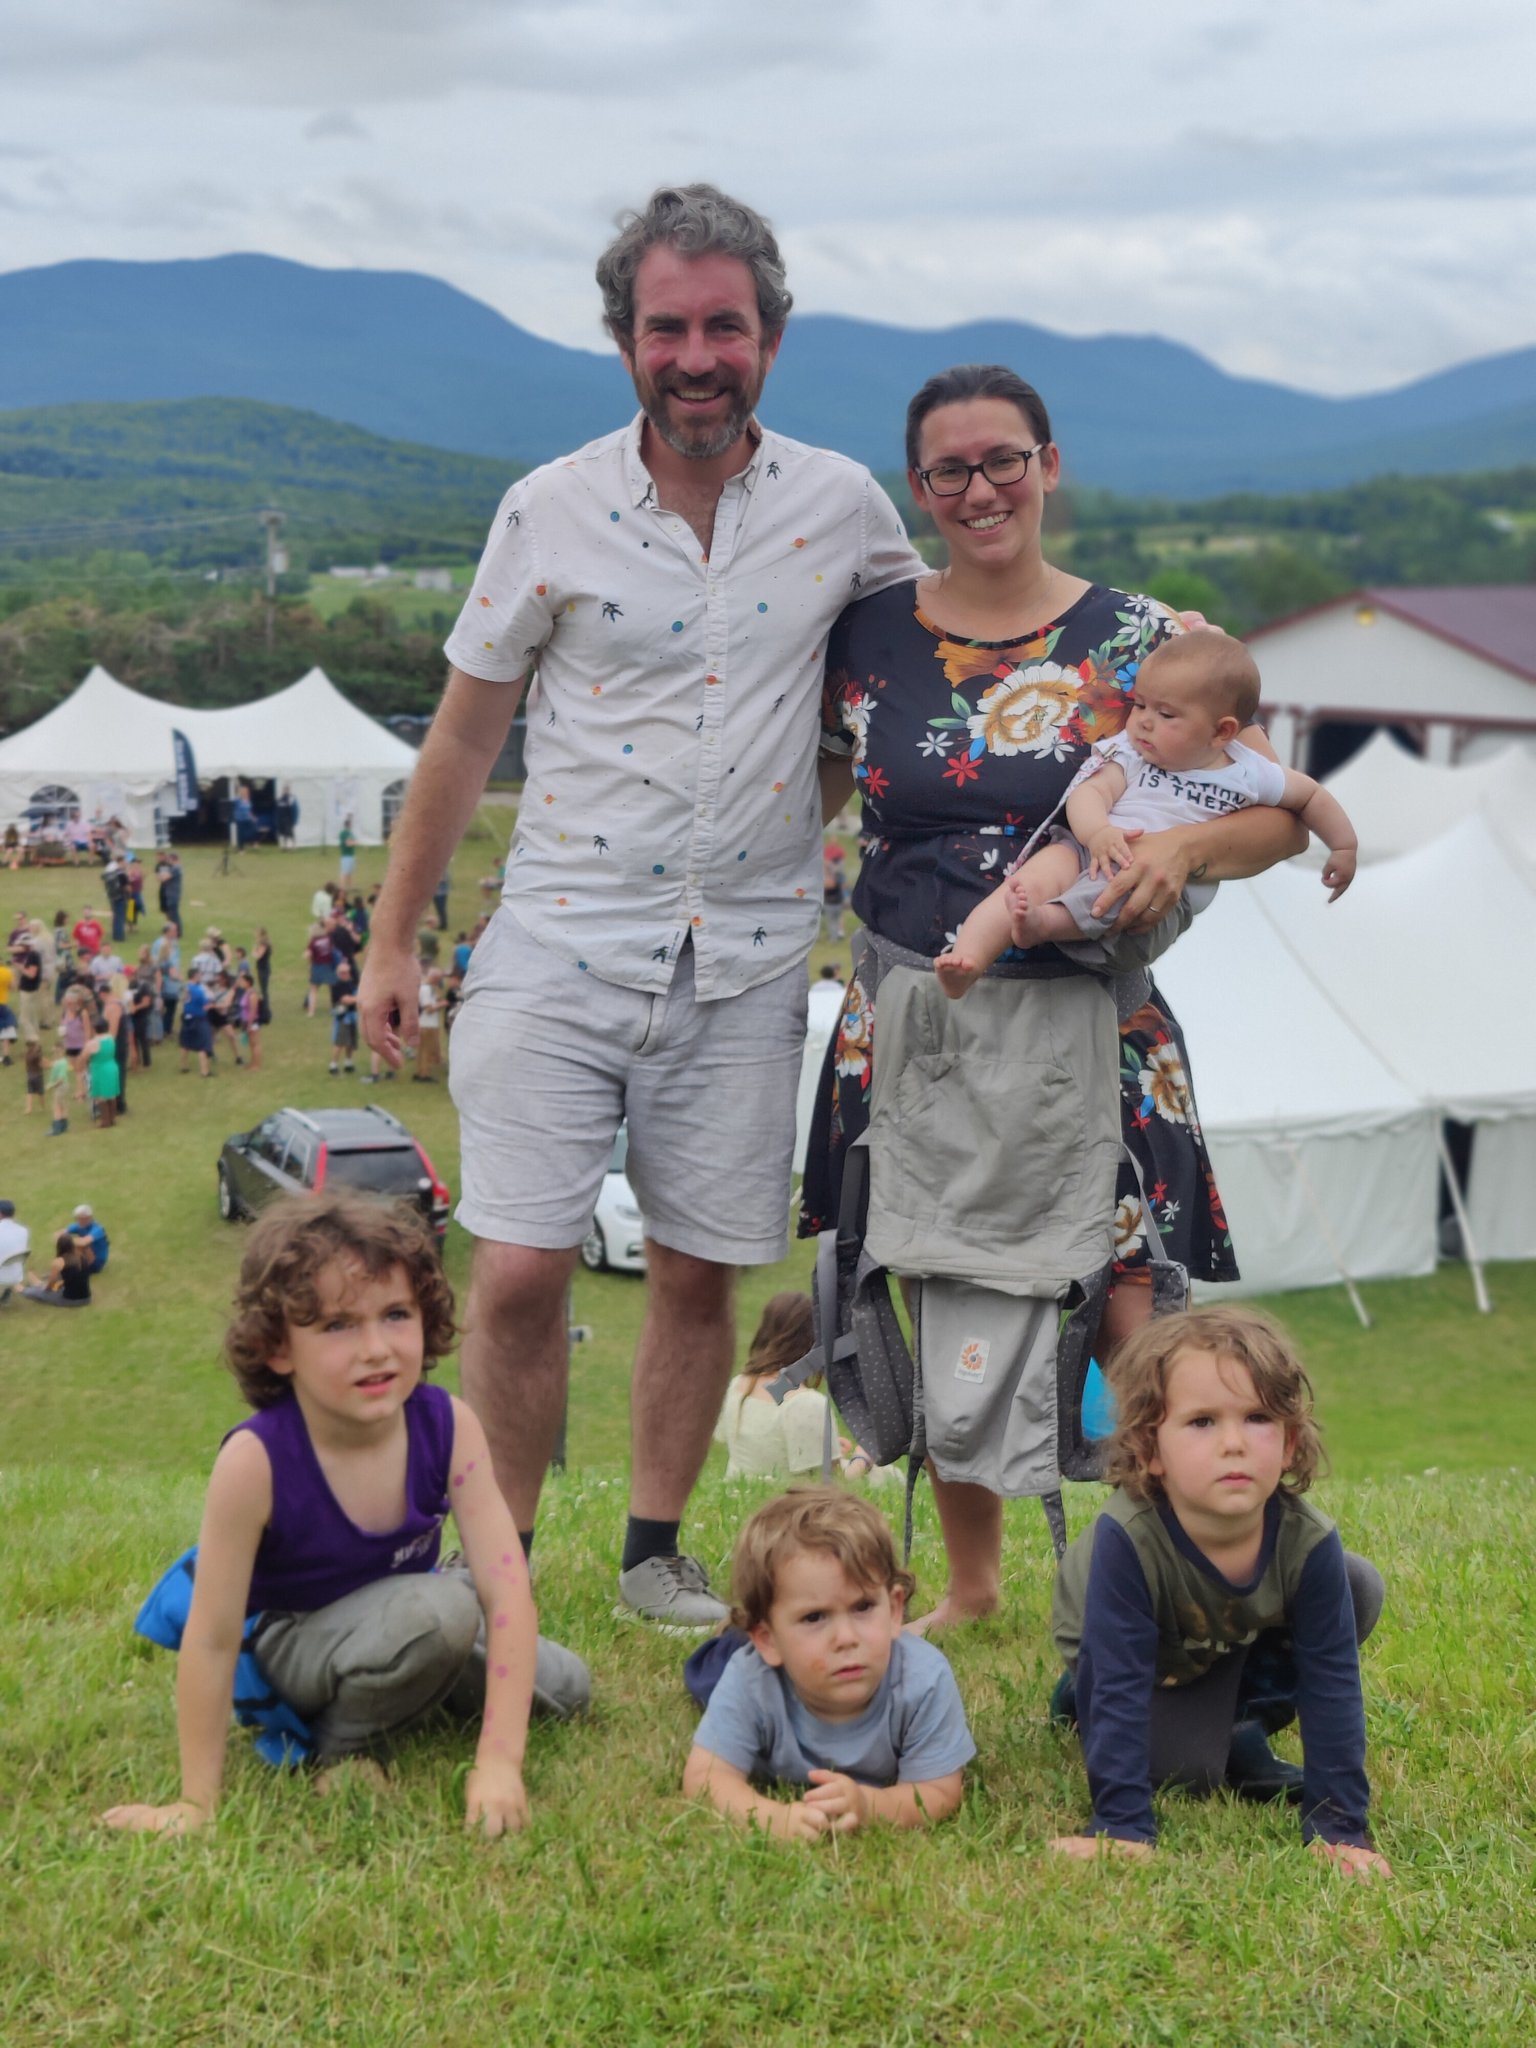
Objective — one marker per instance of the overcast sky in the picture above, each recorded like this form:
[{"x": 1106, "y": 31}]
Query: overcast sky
[{"x": 1340, "y": 194}]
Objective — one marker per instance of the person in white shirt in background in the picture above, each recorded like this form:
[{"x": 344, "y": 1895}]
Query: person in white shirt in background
[
  {"x": 665, "y": 595},
  {"x": 429, "y": 1043},
  {"x": 15, "y": 1244}
]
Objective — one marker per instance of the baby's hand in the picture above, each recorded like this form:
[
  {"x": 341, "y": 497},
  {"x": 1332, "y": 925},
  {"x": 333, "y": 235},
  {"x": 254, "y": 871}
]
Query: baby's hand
[
  {"x": 1089, "y": 1848},
  {"x": 1339, "y": 871},
  {"x": 1108, "y": 850},
  {"x": 844, "y": 1801},
  {"x": 494, "y": 1800},
  {"x": 1366, "y": 1864},
  {"x": 182, "y": 1817}
]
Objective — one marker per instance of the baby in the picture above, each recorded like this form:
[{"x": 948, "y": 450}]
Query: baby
[
  {"x": 828, "y": 1695},
  {"x": 1179, "y": 759}
]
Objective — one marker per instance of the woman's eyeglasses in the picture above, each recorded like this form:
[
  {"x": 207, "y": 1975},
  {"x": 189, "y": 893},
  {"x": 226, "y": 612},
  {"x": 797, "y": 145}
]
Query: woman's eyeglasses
[{"x": 950, "y": 479}]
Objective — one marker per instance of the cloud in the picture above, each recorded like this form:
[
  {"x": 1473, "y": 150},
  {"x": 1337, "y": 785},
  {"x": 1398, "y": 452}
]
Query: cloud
[
  {"x": 336, "y": 126},
  {"x": 1297, "y": 193}
]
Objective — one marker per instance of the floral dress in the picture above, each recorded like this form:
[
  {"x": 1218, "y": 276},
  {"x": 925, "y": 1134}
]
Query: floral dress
[{"x": 961, "y": 750}]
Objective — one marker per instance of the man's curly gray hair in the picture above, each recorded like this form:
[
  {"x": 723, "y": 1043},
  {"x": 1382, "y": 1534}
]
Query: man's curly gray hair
[{"x": 696, "y": 220}]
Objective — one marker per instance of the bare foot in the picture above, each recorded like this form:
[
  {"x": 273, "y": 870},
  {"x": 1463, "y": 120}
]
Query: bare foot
[
  {"x": 955, "y": 974},
  {"x": 950, "y": 1613},
  {"x": 347, "y": 1771}
]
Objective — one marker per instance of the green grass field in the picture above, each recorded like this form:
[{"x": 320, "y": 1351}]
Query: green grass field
[{"x": 623, "y": 1915}]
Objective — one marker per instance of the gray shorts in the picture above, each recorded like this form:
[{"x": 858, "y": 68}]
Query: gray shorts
[{"x": 549, "y": 1060}]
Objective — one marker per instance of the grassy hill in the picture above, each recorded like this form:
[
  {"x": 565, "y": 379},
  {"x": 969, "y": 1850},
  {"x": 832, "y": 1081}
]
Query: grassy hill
[{"x": 181, "y": 483}]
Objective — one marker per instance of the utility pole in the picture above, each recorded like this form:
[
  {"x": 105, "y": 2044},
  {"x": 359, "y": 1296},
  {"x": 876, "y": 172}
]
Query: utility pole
[{"x": 277, "y": 562}]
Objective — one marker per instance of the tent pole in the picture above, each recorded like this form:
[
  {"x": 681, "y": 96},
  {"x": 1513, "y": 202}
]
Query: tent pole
[
  {"x": 1327, "y": 1229},
  {"x": 1474, "y": 1260}
]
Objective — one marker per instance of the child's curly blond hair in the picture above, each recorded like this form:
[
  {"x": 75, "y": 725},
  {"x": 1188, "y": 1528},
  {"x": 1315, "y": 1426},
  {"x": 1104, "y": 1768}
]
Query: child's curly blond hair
[
  {"x": 1138, "y": 1377},
  {"x": 289, "y": 1248},
  {"x": 823, "y": 1518}
]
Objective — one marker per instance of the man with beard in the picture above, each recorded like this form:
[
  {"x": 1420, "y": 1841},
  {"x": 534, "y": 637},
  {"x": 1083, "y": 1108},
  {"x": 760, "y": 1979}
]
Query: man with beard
[{"x": 669, "y": 589}]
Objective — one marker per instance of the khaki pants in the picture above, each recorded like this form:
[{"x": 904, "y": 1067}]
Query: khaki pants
[
  {"x": 429, "y": 1050},
  {"x": 369, "y": 1665}
]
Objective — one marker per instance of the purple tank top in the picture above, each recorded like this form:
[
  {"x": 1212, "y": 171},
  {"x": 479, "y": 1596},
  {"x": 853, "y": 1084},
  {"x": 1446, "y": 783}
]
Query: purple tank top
[{"x": 311, "y": 1552}]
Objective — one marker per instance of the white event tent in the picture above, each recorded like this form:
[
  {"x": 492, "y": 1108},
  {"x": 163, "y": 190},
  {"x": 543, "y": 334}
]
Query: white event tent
[
  {"x": 1329, "y": 1041},
  {"x": 108, "y": 747},
  {"x": 1397, "y": 801}
]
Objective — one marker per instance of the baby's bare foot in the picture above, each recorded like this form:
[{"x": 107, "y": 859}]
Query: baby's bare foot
[{"x": 955, "y": 974}]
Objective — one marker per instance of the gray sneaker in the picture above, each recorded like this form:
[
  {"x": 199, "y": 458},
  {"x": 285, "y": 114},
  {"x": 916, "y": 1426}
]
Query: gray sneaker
[{"x": 673, "y": 1593}]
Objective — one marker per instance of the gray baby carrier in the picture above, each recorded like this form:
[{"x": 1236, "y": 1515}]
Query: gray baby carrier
[{"x": 891, "y": 1400}]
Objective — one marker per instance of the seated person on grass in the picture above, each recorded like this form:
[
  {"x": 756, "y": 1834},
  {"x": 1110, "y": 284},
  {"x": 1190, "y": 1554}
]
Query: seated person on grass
[
  {"x": 828, "y": 1695},
  {"x": 1209, "y": 1604},
  {"x": 324, "y": 1515},
  {"x": 1179, "y": 758}
]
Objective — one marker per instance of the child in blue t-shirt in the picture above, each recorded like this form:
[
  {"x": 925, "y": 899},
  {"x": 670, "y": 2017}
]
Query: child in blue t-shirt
[{"x": 828, "y": 1695}]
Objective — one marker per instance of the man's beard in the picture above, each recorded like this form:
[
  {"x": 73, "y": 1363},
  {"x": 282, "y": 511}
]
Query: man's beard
[{"x": 698, "y": 441}]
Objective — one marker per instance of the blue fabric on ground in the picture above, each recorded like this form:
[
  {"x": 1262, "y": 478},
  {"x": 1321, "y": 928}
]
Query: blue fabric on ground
[{"x": 282, "y": 1739}]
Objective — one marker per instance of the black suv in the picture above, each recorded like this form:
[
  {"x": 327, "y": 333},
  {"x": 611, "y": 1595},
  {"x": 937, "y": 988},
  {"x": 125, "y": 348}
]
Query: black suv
[{"x": 301, "y": 1151}]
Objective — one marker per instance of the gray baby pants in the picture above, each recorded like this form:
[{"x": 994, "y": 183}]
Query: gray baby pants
[{"x": 368, "y": 1666}]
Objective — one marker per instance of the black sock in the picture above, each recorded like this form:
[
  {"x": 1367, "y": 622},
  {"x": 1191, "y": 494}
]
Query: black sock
[
  {"x": 643, "y": 1539},
  {"x": 525, "y": 1537}
]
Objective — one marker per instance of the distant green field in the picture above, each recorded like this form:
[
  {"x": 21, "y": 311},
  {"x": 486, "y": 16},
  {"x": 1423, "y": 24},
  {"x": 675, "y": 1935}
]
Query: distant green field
[{"x": 429, "y": 610}]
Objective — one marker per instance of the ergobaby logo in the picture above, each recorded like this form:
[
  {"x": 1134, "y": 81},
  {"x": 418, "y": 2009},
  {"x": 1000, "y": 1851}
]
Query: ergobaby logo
[{"x": 972, "y": 1362}]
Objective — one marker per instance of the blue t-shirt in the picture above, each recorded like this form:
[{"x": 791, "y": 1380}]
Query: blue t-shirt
[{"x": 912, "y": 1731}]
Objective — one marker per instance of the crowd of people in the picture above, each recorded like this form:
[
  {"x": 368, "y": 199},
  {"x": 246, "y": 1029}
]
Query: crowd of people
[{"x": 334, "y": 951}]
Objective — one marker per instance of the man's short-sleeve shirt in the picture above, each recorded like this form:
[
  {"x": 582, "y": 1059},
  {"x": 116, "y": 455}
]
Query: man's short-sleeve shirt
[
  {"x": 913, "y": 1730},
  {"x": 673, "y": 718}
]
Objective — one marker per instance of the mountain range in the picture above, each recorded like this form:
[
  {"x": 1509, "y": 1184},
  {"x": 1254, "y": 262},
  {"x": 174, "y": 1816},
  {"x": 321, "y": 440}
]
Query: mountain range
[{"x": 411, "y": 358}]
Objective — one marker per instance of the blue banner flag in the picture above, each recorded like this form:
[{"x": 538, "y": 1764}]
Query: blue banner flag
[{"x": 186, "y": 773}]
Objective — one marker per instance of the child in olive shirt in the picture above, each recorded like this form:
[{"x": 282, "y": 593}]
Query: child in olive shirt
[{"x": 1210, "y": 1604}]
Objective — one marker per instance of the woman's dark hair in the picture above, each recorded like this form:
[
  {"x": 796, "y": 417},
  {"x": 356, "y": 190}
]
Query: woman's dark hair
[
  {"x": 295, "y": 1240},
  {"x": 975, "y": 380},
  {"x": 783, "y": 1337}
]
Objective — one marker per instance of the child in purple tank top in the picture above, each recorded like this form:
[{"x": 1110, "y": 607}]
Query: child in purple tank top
[{"x": 324, "y": 1517}]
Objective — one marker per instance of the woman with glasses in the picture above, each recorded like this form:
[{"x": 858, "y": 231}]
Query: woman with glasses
[{"x": 963, "y": 703}]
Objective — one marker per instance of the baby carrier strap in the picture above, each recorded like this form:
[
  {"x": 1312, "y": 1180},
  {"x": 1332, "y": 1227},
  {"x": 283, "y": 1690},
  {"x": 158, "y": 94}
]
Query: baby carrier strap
[
  {"x": 1081, "y": 1456},
  {"x": 859, "y": 1346}
]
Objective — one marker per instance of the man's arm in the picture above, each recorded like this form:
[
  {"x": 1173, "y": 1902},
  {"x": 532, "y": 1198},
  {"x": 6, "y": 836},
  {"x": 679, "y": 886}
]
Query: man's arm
[{"x": 456, "y": 758}]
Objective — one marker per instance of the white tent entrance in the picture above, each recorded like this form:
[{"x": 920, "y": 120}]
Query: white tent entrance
[{"x": 112, "y": 747}]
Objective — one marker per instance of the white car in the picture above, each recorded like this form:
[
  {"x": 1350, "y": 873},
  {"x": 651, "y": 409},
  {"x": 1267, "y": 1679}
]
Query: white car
[{"x": 617, "y": 1237}]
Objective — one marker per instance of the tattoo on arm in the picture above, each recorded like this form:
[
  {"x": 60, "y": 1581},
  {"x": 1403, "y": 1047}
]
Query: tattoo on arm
[{"x": 1198, "y": 874}]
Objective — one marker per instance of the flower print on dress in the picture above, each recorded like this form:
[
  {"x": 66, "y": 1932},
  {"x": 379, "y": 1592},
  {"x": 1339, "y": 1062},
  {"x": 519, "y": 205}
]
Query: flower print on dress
[
  {"x": 963, "y": 662},
  {"x": 1130, "y": 1228},
  {"x": 855, "y": 1033},
  {"x": 1163, "y": 1079},
  {"x": 857, "y": 707},
  {"x": 1024, "y": 712}
]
